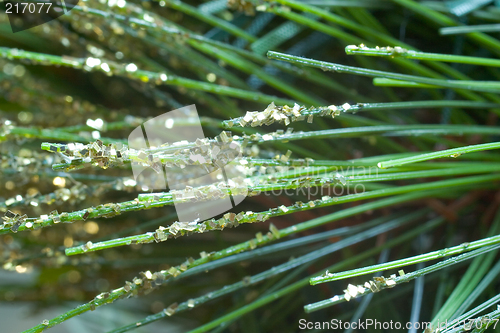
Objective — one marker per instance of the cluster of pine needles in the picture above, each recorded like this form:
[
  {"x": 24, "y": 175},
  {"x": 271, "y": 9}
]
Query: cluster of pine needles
[{"x": 368, "y": 131}]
